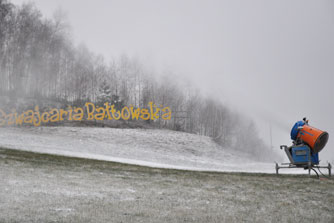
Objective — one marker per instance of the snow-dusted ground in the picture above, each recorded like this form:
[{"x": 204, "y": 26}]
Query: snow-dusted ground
[
  {"x": 40, "y": 188},
  {"x": 147, "y": 147}
]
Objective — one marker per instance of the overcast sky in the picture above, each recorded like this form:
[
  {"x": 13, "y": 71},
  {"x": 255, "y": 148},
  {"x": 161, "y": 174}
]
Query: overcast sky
[{"x": 273, "y": 60}]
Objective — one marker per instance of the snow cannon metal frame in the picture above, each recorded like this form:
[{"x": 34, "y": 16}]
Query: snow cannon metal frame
[{"x": 306, "y": 145}]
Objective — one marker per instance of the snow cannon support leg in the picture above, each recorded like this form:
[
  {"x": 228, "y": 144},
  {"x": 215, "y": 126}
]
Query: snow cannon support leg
[
  {"x": 329, "y": 169},
  {"x": 309, "y": 165},
  {"x": 277, "y": 168}
]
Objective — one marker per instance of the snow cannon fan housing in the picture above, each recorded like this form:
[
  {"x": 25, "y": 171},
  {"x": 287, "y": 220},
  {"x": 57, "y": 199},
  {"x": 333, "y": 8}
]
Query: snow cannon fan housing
[{"x": 315, "y": 138}]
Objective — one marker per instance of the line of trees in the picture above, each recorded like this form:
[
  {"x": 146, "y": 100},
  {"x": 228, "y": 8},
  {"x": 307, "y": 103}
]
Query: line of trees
[{"x": 39, "y": 60}]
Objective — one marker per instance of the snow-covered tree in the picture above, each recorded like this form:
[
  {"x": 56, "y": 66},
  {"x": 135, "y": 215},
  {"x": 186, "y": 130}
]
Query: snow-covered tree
[{"x": 104, "y": 93}]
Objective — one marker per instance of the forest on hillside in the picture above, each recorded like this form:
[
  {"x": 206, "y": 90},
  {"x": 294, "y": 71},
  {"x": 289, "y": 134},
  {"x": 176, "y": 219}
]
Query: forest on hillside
[{"x": 40, "y": 61}]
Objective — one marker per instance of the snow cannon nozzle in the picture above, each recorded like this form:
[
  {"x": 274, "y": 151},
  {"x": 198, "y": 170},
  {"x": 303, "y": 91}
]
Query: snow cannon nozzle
[{"x": 305, "y": 120}]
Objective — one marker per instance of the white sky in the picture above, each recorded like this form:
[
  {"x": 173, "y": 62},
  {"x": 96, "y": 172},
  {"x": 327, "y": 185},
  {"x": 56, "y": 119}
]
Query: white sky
[{"x": 273, "y": 60}]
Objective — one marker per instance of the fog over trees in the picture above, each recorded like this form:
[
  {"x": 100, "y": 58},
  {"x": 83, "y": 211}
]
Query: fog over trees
[{"x": 38, "y": 60}]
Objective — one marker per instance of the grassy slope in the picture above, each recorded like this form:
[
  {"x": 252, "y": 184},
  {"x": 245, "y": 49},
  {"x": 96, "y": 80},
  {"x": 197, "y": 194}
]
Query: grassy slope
[
  {"x": 47, "y": 188},
  {"x": 155, "y": 148}
]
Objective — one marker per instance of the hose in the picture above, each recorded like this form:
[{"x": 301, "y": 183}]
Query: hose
[
  {"x": 324, "y": 174},
  {"x": 315, "y": 172}
]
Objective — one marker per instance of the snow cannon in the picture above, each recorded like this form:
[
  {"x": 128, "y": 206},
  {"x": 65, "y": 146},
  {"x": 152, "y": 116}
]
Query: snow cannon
[
  {"x": 306, "y": 145},
  {"x": 303, "y": 133}
]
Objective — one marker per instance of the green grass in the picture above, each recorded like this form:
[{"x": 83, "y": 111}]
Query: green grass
[{"x": 48, "y": 188}]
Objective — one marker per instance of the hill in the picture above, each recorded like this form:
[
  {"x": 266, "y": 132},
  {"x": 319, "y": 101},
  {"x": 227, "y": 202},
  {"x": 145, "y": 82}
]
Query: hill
[{"x": 146, "y": 147}]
